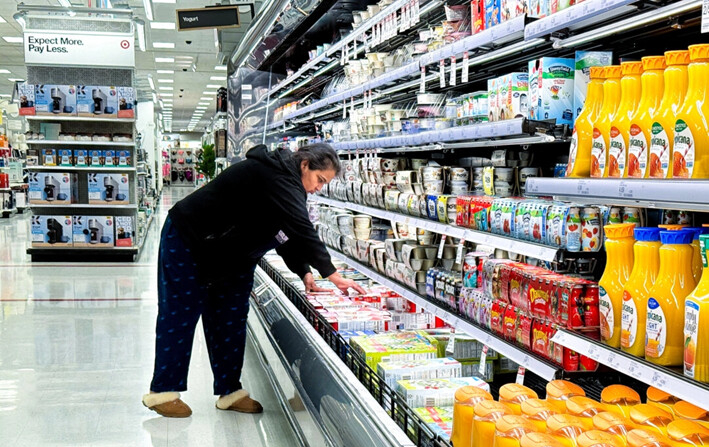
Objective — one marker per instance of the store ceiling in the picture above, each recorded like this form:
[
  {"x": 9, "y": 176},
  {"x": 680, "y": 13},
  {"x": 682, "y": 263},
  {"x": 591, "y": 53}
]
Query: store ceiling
[{"x": 194, "y": 64}]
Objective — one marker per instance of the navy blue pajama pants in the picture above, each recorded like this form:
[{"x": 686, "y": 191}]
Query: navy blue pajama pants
[{"x": 182, "y": 299}]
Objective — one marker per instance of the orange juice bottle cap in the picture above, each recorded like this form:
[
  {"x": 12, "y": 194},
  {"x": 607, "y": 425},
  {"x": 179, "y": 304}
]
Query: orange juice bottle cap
[
  {"x": 597, "y": 438},
  {"x": 689, "y": 411},
  {"x": 654, "y": 63},
  {"x": 678, "y": 57},
  {"x": 672, "y": 227},
  {"x": 631, "y": 68},
  {"x": 598, "y": 72},
  {"x": 558, "y": 422},
  {"x": 578, "y": 405},
  {"x": 511, "y": 422},
  {"x": 470, "y": 395},
  {"x": 539, "y": 440},
  {"x": 563, "y": 388},
  {"x": 657, "y": 395},
  {"x": 613, "y": 71},
  {"x": 606, "y": 420},
  {"x": 698, "y": 52},
  {"x": 615, "y": 394},
  {"x": 616, "y": 231},
  {"x": 514, "y": 392},
  {"x": 640, "y": 414},
  {"x": 686, "y": 429},
  {"x": 533, "y": 406},
  {"x": 487, "y": 407},
  {"x": 643, "y": 438}
]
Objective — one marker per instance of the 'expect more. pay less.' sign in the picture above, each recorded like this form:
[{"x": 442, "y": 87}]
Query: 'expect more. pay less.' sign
[{"x": 98, "y": 50}]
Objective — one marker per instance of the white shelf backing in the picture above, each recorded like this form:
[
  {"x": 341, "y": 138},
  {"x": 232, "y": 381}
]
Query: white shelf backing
[
  {"x": 543, "y": 369},
  {"x": 524, "y": 248},
  {"x": 692, "y": 195},
  {"x": 82, "y": 143},
  {"x": 78, "y": 118},
  {"x": 589, "y": 12},
  {"x": 657, "y": 376},
  {"x": 82, "y": 168}
]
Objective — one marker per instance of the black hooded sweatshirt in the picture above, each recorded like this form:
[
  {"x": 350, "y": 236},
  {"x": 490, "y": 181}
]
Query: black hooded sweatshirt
[{"x": 252, "y": 207}]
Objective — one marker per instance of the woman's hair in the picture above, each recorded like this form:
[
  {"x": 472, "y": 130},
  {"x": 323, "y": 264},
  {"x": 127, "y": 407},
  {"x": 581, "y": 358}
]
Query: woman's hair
[{"x": 320, "y": 156}]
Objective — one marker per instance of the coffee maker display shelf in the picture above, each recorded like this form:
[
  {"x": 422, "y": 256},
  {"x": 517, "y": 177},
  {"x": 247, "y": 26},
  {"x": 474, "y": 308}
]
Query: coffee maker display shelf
[
  {"x": 81, "y": 168},
  {"x": 85, "y": 206},
  {"x": 78, "y": 118},
  {"x": 510, "y": 244},
  {"x": 80, "y": 143}
]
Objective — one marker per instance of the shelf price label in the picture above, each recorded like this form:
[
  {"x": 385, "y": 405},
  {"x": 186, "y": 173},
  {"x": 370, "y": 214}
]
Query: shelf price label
[
  {"x": 705, "y": 16},
  {"x": 483, "y": 359},
  {"x": 583, "y": 188},
  {"x": 464, "y": 75},
  {"x": 459, "y": 253},
  {"x": 625, "y": 190},
  {"x": 422, "y": 87},
  {"x": 520, "y": 375},
  {"x": 442, "y": 73},
  {"x": 440, "y": 247},
  {"x": 454, "y": 72}
]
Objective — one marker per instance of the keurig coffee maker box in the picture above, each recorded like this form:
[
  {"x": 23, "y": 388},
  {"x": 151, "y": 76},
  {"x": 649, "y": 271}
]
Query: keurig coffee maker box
[
  {"x": 57, "y": 188},
  {"x": 93, "y": 231},
  {"x": 97, "y": 100},
  {"x": 109, "y": 188},
  {"x": 51, "y": 99},
  {"x": 125, "y": 231},
  {"x": 48, "y": 231},
  {"x": 126, "y": 102}
]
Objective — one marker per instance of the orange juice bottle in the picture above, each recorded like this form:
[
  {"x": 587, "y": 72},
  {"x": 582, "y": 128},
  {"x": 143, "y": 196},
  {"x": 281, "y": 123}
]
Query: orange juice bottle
[
  {"x": 619, "y": 399},
  {"x": 582, "y": 137},
  {"x": 663, "y": 128},
  {"x": 540, "y": 440},
  {"x": 538, "y": 411},
  {"x": 558, "y": 391},
  {"x": 697, "y": 263},
  {"x": 691, "y": 149},
  {"x": 643, "y": 438},
  {"x": 696, "y": 319},
  {"x": 510, "y": 429},
  {"x": 566, "y": 428},
  {"x": 613, "y": 423},
  {"x": 585, "y": 409},
  {"x": 637, "y": 290},
  {"x": 661, "y": 399},
  {"x": 602, "y": 126},
  {"x": 619, "y": 251},
  {"x": 665, "y": 309},
  {"x": 465, "y": 399},
  {"x": 686, "y": 433},
  {"x": 692, "y": 412},
  {"x": 653, "y": 84},
  {"x": 597, "y": 438},
  {"x": 651, "y": 418},
  {"x": 513, "y": 394},
  {"x": 630, "y": 90},
  {"x": 486, "y": 412}
]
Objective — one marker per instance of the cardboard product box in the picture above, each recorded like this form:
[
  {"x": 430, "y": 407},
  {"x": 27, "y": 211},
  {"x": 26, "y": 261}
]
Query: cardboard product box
[
  {"x": 50, "y": 131},
  {"x": 113, "y": 188},
  {"x": 435, "y": 392},
  {"x": 93, "y": 231},
  {"x": 49, "y": 157},
  {"x": 126, "y": 102},
  {"x": 65, "y": 157},
  {"x": 109, "y": 158},
  {"x": 125, "y": 231},
  {"x": 52, "y": 188},
  {"x": 393, "y": 346},
  {"x": 492, "y": 99},
  {"x": 551, "y": 89},
  {"x": 582, "y": 74},
  {"x": 471, "y": 368},
  {"x": 477, "y": 15},
  {"x": 95, "y": 157},
  {"x": 492, "y": 13},
  {"x": 25, "y": 92},
  {"x": 441, "y": 368},
  {"x": 124, "y": 160},
  {"x": 48, "y": 231},
  {"x": 33, "y": 157},
  {"x": 539, "y": 8},
  {"x": 81, "y": 157},
  {"x": 52, "y": 99},
  {"x": 97, "y": 100},
  {"x": 438, "y": 419},
  {"x": 509, "y": 9},
  {"x": 513, "y": 100}
]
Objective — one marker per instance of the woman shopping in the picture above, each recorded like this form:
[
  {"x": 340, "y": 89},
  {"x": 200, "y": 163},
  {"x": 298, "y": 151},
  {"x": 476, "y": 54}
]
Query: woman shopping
[{"x": 210, "y": 244}]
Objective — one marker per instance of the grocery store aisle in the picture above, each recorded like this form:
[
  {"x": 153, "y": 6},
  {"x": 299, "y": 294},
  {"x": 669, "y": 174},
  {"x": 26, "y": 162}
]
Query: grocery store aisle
[{"x": 76, "y": 353}]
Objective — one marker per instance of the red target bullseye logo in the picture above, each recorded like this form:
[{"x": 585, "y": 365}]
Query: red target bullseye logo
[{"x": 125, "y": 44}]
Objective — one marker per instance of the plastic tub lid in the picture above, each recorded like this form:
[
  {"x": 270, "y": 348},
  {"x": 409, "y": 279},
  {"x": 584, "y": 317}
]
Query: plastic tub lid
[
  {"x": 672, "y": 227},
  {"x": 613, "y": 71},
  {"x": 487, "y": 407},
  {"x": 559, "y": 389},
  {"x": 689, "y": 411},
  {"x": 597, "y": 438},
  {"x": 540, "y": 440},
  {"x": 654, "y": 63},
  {"x": 583, "y": 406},
  {"x": 677, "y": 237},
  {"x": 534, "y": 407},
  {"x": 684, "y": 429},
  {"x": 647, "y": 234},
  {"x": 616, "y": 231},
  {"x": 632, "y": 68},
  {"x": 516, "y": 393},
  {"x": 619, "y": 394},
  {"x": 470, "y": 395},
  {"x": 610, "y": 422},
  {"x": 645, "y": 414},
  {"x": 677, "y": 57},
  {"x": 644, "y": 438},
  {"x": 514, "y": 425}
]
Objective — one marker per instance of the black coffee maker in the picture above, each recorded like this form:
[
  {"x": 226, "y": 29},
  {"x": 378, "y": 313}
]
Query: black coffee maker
[
  {"x": 55, "y": 231},
  {"x": 51, "y": 188},
  {"x": 58, "y": 100},
  {"x": 99, "y": 100},
  {"x": 94, "y": 231},
  {"x": 111, "y": 187}
]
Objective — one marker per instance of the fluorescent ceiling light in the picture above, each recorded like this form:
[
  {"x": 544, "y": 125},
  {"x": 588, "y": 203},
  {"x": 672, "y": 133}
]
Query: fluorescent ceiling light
[
  {"x": 140, "y": 27},
  {"x": 217, "y": 78},
  {"x": 163, "y": 45},
  {"x": 3, "y": 71},
  {"x": 167, "y": 100},
  {"x": 207, "y": 93},
  {"x": 169, "y": 95},
  {"x": 5, "y": 96},
  {"x": 167, "y": 60},
  {"x": 165, "y": 88},
  {"x": 220, "y": 68},
  {"x": 200, "y": 108},
  {"x": 203, "y": 98},
  {"x": 2, "y": 20},
  {"x": 15, "y": 80},
  {"x": 203, "y": 103},
  {"x": 13, "y": 39},
  {"x": 150, "y": 81},
  {"x": 162, "y": 25},
  {"x": 214, "y": 86},
  {"x": 166, "y": 71},
  {"x": 64, "y": 3},
  {"x": 166, "y": 81},
  {"x": 148, "y": 9}
]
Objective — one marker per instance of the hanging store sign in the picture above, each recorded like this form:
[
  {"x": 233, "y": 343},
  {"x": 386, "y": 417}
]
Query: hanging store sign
[
  {"x": 214, "y": 17},
  {"x": 95, "y": 50}
]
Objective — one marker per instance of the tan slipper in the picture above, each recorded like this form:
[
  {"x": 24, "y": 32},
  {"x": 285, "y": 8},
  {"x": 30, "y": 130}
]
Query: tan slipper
[
  {"x": 167, "y": 404},
  {"x": 239, "y": 401}
]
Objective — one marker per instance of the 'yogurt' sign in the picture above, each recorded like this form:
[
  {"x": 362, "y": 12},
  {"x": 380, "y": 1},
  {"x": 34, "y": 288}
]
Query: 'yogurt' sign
[{"x": 97, "y": 50}]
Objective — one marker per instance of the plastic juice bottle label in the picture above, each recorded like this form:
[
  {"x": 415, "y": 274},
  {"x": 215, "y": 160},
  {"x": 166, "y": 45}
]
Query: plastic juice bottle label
[
  {"x": 605, "y": 305},
  {"x": 683, "y": 163},
  {"x": 572, "y": 153},
  {"x": 616, "y": 154},
  {"x": 691, "y": 331},
  {"x": 598, "y": 154},
  {"x": 637, "y": 159},
  {"x": 629, "y": 321},
  {"x": 659, "y": 151},
  {"x": 656, "y": 329}
]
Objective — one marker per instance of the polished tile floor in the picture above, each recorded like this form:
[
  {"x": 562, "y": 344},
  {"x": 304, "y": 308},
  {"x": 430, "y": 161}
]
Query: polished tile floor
[{"x": 76, "y": 353}]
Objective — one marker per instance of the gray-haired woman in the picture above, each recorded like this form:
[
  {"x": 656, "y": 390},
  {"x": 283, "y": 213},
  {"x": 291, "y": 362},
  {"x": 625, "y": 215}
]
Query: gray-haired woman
[{"x": 210, "y": 244}]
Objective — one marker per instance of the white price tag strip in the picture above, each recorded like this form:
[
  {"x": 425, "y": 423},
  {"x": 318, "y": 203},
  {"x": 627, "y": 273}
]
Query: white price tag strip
[
  {"x": 451, "y": 343},
  {"x": 440, "y": 247},
  {"x": 344, "y": 109},
  {"x": 422, "y": 87},
  {"x": 442, "y": 73},
  {"x": 464, "y": 76},
  {"x": 483, "y": 360},
  {"x": 520, "y": 375},
  {"x": 459, "y": 253},
  {"x": 454, "y": 72}
]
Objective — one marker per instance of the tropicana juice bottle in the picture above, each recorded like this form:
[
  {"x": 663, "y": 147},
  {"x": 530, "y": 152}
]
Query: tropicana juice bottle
[
  {"x": 582, "y": 138},
  {"x": 653, "y": 83},
  {"x": 691, "y": 149},
  {"x": 697, "y": 264},
  {"x": 696, "y": 319},
  {"x": 619, "y": 263},
  {"x": 630, "y": 90},
  {"x": 663, "y": 129},
  {"x": 665, "y": 308},
  {"x": 637, "y": 290},
  {"x": 602, "y": 126},
  {"x": 463, "y": 412}
]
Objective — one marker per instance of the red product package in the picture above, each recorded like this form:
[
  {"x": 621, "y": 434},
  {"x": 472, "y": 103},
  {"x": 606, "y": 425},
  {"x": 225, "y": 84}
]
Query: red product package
[
  {"x": 516, "y": 286},
  {"x": 462, "y": 206},
  {"x": 591, "y": 316},
  {"x": 539, "y": 297},
  {"x": 477, "y": 15},
  {"x": 510, "y": 322},
  {"x": 524, "y": 331},
  {"x": 540, "y": 339},
  {"x": 505, "y": 271},
  {"x": 497, "y": 314}
]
